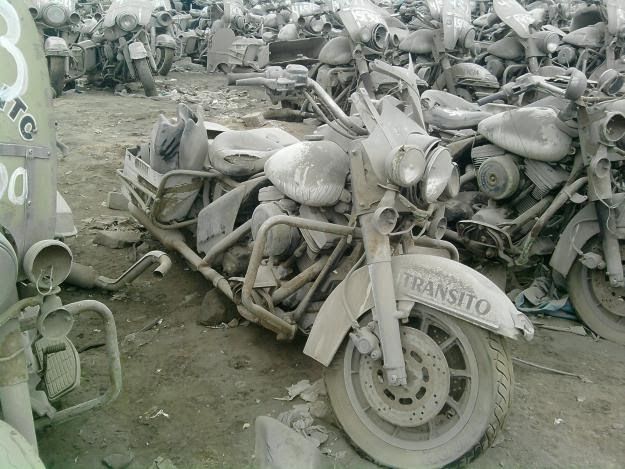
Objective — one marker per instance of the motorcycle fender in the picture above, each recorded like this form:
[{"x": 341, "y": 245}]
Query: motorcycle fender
[
  {"x": 438, "y": 283},
  {"x": 165, "y": 40},
  {"x": 56, "y": 46},
  {"x": 582, "y": 227},
  {"x": 137, "y": 50}
]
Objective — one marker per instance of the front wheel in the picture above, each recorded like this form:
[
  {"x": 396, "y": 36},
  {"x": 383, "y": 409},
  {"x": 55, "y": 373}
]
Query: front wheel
[
  {"x": 600, "y": 306},
  {"x": 56, "y": 69},
  {"x": 144, "y": 73},
  {"x": 164, "y": 60},
  {"x": 454, "y": 404}
]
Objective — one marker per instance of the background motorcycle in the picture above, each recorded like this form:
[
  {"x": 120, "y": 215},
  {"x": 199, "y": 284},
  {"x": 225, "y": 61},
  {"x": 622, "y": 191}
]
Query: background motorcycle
[
  {"x": 540, "y": 188},
  {"x": 58, "y": 22},
  {"x": 118, "y": 48},
  {"x": 338, "y": 251}
]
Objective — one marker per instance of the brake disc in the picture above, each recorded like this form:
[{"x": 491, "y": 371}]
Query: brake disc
[{"x": 428, "y": 378}]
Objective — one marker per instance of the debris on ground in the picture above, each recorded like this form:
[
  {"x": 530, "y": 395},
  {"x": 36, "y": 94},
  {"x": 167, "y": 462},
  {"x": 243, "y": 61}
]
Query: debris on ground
[
  {"x": 278, "y": 446},
  {"x": 550, "y": 370},
  {"x": 117, "y": 239},
  {"x": 162, "y": 463},
  {"x": 305, "y": 390},
  {"x": 118, "y": 460}
]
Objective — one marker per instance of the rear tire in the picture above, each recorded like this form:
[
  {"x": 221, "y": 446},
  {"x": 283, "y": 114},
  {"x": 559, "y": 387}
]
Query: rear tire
[
  {"x": 144, "y": 73},
  {"x": 56, "y": 69},
  {"x": 165, "y": 60},
  {"x": 399, "y": 428}
]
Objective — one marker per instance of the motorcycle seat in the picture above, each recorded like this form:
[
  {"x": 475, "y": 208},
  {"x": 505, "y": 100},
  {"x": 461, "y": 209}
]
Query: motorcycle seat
[{"x": 242, "y": 153}]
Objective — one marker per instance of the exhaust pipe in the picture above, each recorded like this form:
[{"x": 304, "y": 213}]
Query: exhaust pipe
[{"x": 86, "y": 276}]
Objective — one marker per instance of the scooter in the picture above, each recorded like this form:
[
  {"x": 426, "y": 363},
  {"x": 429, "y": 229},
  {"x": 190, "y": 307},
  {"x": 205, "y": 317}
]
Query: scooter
[{"x": 339, "y": 238}]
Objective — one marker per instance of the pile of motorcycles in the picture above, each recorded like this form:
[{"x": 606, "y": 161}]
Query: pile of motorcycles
[{"x": 455, "y": 136}]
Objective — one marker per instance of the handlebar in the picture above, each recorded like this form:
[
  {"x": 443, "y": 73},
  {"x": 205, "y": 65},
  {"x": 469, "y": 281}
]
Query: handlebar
[{"x": 492, "y": 98}]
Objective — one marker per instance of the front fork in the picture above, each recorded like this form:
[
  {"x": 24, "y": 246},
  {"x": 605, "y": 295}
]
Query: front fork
[
  {"x": 610, "y": 244},
  {"x": 385, "y": 314}
]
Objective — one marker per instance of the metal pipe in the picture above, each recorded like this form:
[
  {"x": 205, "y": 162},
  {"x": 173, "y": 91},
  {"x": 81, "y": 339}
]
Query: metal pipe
[
  {"x": 84, "y": 276},
  {"x": 336, "y": 253},
  {"x": 528, "y": 215},
  {"x": 283, "y": 329},
  {"x": 438, "y": 244},
  {"x": 563, "y": 196},
  {"x": 174, "y": 240},
  {"x": 291, "y": 286},
  {"x": 226, "y": 242},
  {"x": 335, "y": 109},
  {"x": 114, "y": 364}
]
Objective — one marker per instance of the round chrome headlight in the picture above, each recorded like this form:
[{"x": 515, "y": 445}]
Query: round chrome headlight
[
  {"x": 438, "y": 172},
  {"x": 55, "y": 15},
  {"x": 127, "y": 21},
  {"x": 550, "y": 43},
  {"x": 405, "y": 165}
]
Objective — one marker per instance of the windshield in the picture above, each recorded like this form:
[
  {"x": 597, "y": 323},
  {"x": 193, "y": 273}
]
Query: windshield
[
  {"x": 232, "y": 9},
  {"x": 142, "y": 9},
  {"x": 436, "y": 8},
  {"x": 456, "y": 19},
  {"x": 616, "y": 16},
  {"x": 360, "y": 14},
  {"x": 515, "y": 16},
  {"x": 161, "y": 4}
]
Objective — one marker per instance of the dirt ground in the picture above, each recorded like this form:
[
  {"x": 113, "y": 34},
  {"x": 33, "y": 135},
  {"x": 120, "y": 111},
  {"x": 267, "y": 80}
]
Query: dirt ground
[{"x": 191, "y": 393}]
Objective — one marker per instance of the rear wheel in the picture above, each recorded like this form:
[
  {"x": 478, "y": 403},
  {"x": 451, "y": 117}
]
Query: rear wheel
[
  {"x": 56, "y": 69},
  {"x": 164, "y": 60},
  {"x": 454, "y": 404},
  {"x": 597, "y": 303},
  {"x": 144, "y": 73}
]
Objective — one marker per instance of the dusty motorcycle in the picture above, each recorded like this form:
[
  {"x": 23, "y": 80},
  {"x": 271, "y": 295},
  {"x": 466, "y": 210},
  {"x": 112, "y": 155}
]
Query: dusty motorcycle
[
  {"x": 118, "y": 48},
  {"x": 552, "y": 176},
  {"x": 597, "y": 41},
  {"x": 163, "y": 31},
  {"x": 39, "y": 363},
  {"x": 447, "y": 35},
  {"x": 338, "y": 238},
  {"x": 526, "y": 45},
  {"x": 58, "y": 23}
]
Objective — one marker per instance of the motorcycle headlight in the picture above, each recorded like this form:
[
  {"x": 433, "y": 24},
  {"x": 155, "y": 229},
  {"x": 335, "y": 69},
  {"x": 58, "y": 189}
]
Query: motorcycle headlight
[
  {"x": 438, "y": 172},
  {"x": 127, "y": 22},
  {"x": 164, "y": 19},
  {"x": 55, "y": 15},
  {"x": 405, "y": 165},
  {"x": 548, "y": 42}
]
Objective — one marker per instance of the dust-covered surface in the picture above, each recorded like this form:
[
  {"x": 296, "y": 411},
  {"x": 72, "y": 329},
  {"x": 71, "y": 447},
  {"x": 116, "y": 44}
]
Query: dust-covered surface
[{"x": 191, "y": 393}]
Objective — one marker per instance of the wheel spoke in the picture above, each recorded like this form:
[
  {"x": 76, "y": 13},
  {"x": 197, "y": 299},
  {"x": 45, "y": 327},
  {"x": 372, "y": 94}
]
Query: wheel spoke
[
  {"x": 447, "y": 343},
  {"x": 425, "y": 324},
  {"x": 455, "y": 373},
  {"x": 451, "y": 402}
]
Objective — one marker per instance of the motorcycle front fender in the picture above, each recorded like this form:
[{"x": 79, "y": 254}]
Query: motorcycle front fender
[
  {"x": 438, "y": 283},
  {"x": 56, "y": 47},
  {"x": 137, "y": 50},
  {"x": 166, "y": 41}
]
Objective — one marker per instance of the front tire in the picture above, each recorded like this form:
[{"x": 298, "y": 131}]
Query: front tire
[
  {"x": 165, "y": 59},
  {"x": 56, "y": 69},
  {"x": 144, "y": 73},
  {"x": 598, "y": 305},
  {"x": 452, "y": 408}
]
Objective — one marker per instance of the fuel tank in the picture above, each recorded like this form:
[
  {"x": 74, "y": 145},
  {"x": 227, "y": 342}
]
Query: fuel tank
[
  {"x": 420, "y": 42},
  {"x": 587, "y": 37},
  {"x": 507, "y": 48},
  {"x": 529, "y": 132},
  {"x": 338, "y": 51},
  {"x": 311, "y": 173}
]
